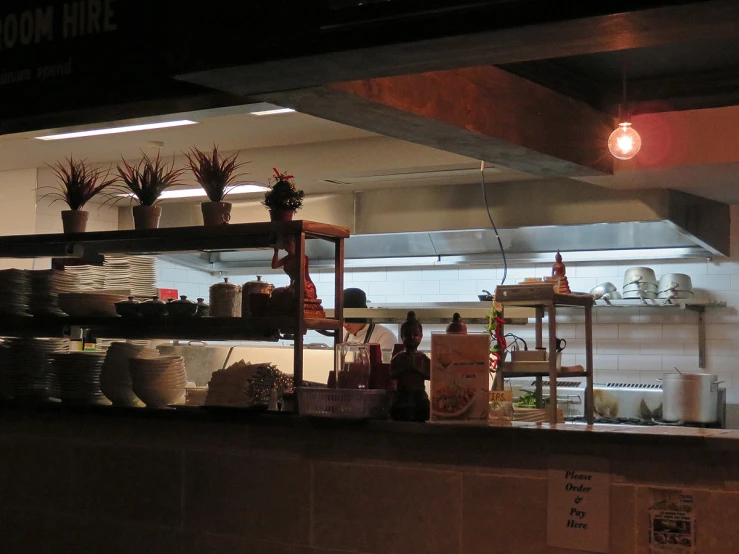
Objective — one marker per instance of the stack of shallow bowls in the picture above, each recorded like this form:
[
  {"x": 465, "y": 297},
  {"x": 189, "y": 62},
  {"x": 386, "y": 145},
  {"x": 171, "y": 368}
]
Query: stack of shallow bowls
[
  {"x": 675, "y": 285},
  {"x": 115, "y": 377},
  {"x": 158, "y": 381},
  {"x": 15, "y": 292},
  {"x": 639, "y": 282},
  {"x": 75, "y": 377},
  {"x": 24, "y": 366}
]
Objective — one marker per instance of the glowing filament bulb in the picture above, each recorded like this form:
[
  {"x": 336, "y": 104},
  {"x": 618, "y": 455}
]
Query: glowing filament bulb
[{"x": 624, "y": 143}]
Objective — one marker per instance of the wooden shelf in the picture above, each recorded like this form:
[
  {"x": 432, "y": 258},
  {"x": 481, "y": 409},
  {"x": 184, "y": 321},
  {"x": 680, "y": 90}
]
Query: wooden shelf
[
  {"x": 538, "y": 295},
  {"x": 205, "y": 328},
  {"x": 171, "y": 239}
]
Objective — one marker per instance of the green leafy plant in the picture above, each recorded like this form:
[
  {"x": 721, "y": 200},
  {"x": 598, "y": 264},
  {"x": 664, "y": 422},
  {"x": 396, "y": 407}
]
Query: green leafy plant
[
  {"x": 215, "y": 173},
  {"x": 79, "y": 182},
  {"x": 283, "y": 195},
  {"x": 149, "y": 178}
]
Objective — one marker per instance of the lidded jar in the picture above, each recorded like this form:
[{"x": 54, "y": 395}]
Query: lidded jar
[
  {"x": 352, "y": 366},
  {"x": 254, "y": 287},
  {"x": 225, "y": 299},
  {"x": 182, "y": 307}
]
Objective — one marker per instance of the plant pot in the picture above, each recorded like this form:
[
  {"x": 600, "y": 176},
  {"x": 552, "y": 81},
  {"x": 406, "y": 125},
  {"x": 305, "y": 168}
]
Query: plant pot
[
  {"x": 216, "y": 213},
  {"x": 146, "y": 217},
  {"x": 281, "y": 215},
  {"x": 74, "y": 221}
]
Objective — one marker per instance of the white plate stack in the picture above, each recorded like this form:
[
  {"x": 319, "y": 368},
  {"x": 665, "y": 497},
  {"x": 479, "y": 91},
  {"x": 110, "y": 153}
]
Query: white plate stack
[
  {"x": 24, "y": 366},
  {"x": 45, "y": 288},
  {"x": 90, "y": 304},
  {"x": 137, "y": 273},
  {"x": 91, "y": 277},
  {"x": 75, "y": 377},
  {"x": 15, "y": 292},
  {"x": 158, "y": 381},
  {"x": 115, "y": 377}
]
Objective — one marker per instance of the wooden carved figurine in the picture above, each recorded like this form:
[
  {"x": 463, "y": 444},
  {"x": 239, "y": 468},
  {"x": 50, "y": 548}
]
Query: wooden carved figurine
[
  {"x": 410, "y": 369},
  {"x": 284, "y": 299}
]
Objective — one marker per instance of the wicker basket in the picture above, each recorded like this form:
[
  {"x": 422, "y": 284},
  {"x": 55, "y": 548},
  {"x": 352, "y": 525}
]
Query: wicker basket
[{"x": 344, "y": 403}]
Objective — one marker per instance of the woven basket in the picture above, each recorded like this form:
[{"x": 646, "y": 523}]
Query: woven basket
[{"x": 344, "y": 403}]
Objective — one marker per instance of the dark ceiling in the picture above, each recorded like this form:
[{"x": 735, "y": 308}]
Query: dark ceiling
[{"x": 678, "y": 76}]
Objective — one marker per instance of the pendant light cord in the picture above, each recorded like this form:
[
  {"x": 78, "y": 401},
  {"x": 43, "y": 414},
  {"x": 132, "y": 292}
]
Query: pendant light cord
[{"x": 490, "y": 217}]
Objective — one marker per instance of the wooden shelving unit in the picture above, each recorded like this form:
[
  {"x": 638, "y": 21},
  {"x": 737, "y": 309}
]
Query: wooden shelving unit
[
  {"x": 543, "y": 299},
  {"x": 91, "y": 247}
]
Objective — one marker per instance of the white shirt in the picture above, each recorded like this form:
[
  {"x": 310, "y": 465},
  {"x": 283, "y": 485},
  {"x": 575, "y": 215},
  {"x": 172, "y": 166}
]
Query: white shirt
[{"x": 380, "y": 335}]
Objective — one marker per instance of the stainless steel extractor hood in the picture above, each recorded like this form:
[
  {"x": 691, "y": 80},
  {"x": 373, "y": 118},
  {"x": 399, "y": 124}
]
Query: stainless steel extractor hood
[{"x": 449, "y": 224}]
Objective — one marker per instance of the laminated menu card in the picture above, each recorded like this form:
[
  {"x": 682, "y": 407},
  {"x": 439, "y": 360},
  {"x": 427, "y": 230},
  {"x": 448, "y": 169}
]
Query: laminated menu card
[{"x": 460, "y": 377}]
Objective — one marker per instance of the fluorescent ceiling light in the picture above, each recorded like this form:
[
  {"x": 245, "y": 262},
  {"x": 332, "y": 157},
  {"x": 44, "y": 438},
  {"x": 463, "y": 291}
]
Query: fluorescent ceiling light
[
  {"x": 274, "y": 111},
  {"x": 115, "y": 130},
  {"x": 199, "y": 192}
]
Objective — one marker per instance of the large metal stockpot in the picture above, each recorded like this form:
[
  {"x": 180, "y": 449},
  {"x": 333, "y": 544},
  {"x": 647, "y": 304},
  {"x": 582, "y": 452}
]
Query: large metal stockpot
[{"x": 690, "y": 397}]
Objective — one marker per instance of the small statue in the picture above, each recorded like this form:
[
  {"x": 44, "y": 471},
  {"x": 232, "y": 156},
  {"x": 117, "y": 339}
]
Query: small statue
[
  {"x": 558, "y": 277},
  {"x": 410, "y": 369},
  {"x": 283, "y": 298}
]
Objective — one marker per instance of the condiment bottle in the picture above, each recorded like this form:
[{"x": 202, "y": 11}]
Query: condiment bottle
[{"x": 225, "y": 299}]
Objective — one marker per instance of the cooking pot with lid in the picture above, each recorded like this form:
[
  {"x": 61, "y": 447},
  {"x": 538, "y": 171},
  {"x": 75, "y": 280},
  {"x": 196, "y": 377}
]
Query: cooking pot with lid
[{"x": 690, "y": 397}]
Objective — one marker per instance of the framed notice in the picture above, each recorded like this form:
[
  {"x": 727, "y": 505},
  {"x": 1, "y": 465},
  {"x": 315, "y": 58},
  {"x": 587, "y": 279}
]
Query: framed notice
[
  {"x": 460, "y": 377},
  {"x": 578, "y": 503}
]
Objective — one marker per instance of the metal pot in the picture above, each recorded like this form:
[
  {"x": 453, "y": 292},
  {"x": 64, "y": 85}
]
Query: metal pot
[
  {"x": 639, "y": 275},
  {"x": 678, "y": 282},
  {"x": 603, "y": 289},
  {"x": 225, "y": 299},
  {"x": 254, "y": 287},
  {"x": 690, "y": 397}
]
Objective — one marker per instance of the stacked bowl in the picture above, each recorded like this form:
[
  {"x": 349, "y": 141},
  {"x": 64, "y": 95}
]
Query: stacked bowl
[
  {"x": 24, "y": 365},
  {"x": 639, "y": 283},
  {"x": 158, "y": 381},
  {"x": 115, "y": 377},
  {"x": 75, "y": 377},
  {"x": 90, "y": 304}
]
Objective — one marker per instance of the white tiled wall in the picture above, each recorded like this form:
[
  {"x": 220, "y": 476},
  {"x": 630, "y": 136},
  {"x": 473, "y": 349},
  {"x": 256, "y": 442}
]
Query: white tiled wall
[{"x": 631, "y": 345}]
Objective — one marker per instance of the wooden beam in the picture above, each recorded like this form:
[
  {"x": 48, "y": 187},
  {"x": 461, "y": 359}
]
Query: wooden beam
[
  {"x": 481, "y": 112},
  {"x": 323, "y": 63}
]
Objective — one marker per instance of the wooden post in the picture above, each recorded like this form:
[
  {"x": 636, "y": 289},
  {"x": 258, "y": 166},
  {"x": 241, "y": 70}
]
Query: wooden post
[
  {"x": 552, "y": 312},
  {"x": 589, "y": 364},
  {"x": 300, "y": 301}
]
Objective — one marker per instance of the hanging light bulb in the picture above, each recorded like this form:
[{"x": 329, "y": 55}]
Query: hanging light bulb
[{"x": 624, "y": 143}]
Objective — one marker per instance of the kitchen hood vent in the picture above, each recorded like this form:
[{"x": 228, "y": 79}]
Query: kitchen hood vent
[{"x": 432, "y": 225}]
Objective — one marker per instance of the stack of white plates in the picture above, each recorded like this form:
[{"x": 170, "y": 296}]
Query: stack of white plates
[
  {"x": 15, "y": 292},
  {"x": 45, "y": 288},
  {"x": 158, "y": 381},
  {"x": 137, "y": 273},
  {"x": 90, "y": 304},
  {"x": 24, "y": 365},
  {"x": 91, "y": 277},
  {"x": 115, "y": 378},
  {"x": 75, "y": 377}
]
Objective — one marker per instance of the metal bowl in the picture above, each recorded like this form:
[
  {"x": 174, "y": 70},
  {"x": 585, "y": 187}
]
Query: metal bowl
[{"x": 603, "y": 289}]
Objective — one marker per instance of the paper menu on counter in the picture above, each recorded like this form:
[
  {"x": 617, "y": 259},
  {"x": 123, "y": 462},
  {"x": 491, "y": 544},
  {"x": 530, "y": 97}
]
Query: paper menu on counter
[{"x": 460, "y": 377}]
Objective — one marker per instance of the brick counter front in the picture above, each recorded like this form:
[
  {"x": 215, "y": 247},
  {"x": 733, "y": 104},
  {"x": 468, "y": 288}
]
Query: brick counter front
[{"x": 112, "y": 481}]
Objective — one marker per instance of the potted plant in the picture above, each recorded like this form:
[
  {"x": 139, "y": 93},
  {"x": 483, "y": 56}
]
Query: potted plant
[
  {"x": 216, "y": 174},
  {"x": 146, "y": 181},
  {"x": 283, "y": 199},
  {"x": 79, "y": 182}
]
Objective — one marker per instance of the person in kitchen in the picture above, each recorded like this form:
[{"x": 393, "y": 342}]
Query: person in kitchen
[{"x": 359, "y": 331}]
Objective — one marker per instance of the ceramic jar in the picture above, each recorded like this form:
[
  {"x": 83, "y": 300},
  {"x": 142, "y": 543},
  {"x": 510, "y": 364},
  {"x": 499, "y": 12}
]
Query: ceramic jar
[
  {"x": 225, "y": 299},
  {"x": 203, "y": 309},
  {"x": 128, "y": 308},
  {"x": 182, "y": 307},
  {"x": 153, "y": 308}
]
